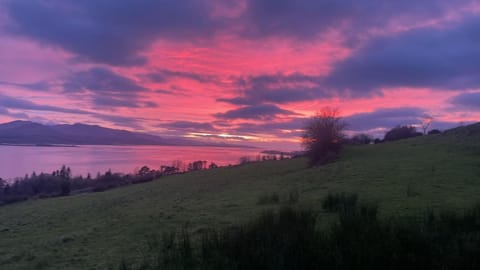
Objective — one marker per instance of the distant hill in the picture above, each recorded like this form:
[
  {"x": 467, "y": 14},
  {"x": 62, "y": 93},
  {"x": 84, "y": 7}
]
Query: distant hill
[
  {"x": 30, "y": 133},
  {"x": 467, "y": 131}
]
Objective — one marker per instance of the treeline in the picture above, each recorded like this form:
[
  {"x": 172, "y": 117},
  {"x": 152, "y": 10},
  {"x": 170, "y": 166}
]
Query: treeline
[
  {"x": 324, "y": 135},
  {"x": 62, "y": 183},
  {"x": 394, "y": 134},
  {"x": 259, "y": 158},
  {"x": 291, "y": 238}
]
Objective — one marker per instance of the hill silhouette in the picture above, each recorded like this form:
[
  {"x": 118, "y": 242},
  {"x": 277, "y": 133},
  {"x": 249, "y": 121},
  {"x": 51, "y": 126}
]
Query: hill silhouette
[{"x": 30, "y": 133}]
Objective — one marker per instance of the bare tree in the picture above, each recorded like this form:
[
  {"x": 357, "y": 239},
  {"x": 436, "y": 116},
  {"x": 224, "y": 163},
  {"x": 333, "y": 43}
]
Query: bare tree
[
  {"x": 426, "y": 121},
  {"x": 323, "y": 136}
]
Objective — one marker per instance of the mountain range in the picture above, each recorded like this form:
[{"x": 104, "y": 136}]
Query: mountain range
[{"x": 31, "y": 133}]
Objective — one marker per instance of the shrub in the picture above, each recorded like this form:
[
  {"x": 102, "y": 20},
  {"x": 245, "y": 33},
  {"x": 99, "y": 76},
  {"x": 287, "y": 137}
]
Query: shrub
[
  {"x": 401, "y": 132},
  {"x": 434, "y": 131},
  {"x": 359, "y": 239},
  {"x": 360, "y": 139},
  {"x": 323, "y": 136}
]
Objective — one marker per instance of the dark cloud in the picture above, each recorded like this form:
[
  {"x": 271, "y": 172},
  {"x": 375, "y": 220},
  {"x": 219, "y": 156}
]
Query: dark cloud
[
  {"x": 38, "y": 86},
  {"x": 309, "y": 18},
  {"x": 469, "y": 100},
  {"x": 165, "y": 92},
  {"x": 164, "y": 75},
  {"x": 280, "y": 96},
  {"x": 6, "y": 112},
  {"x": 112, "y": 32},
  {"x": 21, "y": 104},
  {"x": 444, "y": 58},
  {"x": 376, "y": 123},
  {"x": 260, "y": 112},
  {"x": 7, "y": 102},
  {"x": 101, "y": 80},
  {"x": 221, "y": 137},
  {"x": 292, "y": 127},
  {"x": 188, "y": 126},
  {"x": 107, "y": 88},
  {"x": 108, "y": 101},
  {"x": 277, "y": 88},
  {"x": 123, "y": 121},
  {"x": 384, "y": 118},
  {"x": 430, "y": 57},
  {"x": 116, "y": 32},
  {"x": 267, "y": 80}
]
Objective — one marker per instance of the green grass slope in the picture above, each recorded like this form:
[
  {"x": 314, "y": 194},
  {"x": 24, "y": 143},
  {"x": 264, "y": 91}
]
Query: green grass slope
[{"x": 94, "y": 231}]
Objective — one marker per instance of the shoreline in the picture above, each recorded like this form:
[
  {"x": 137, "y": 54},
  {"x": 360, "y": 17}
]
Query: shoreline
[
  {"x": 79, "y": 145},
  {"x": 38, "y": 145}
]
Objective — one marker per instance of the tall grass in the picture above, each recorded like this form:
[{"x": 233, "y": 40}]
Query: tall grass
[
  {"x": 288, "y": 239},
  {"x": 268, "y": 198},
  {"x": 289, "y": 198},
  {"x": 339, "y": 202}
]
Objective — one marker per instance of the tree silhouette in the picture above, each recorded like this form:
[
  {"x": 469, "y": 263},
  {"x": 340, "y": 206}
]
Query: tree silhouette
[
  {"x": 434, "y": 131},
  {"x": 361, "y": 138},
  {"x": 145, "y": 170},
  {"x": 323, "y": 136},
  {"x": 401, "y": 132},
  {"x": 426, "y": 121}
]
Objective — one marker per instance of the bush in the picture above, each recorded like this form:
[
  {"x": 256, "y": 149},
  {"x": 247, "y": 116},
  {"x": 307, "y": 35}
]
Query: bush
[
  {"x": 359, "y": 239},
  {"x": 360, "y": 139},
  {"x": 401, "y": 132},
  {"x": 434, "y": 131},
  {"x": 323, "y": 136},
  {"x": 282, "y": 240}
]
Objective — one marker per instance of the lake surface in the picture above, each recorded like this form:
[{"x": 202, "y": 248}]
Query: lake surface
[{"x": 16, "y": 161}]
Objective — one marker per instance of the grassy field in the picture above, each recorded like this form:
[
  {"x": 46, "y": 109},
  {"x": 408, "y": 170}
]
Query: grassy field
[{"x": 97, "y": 230}]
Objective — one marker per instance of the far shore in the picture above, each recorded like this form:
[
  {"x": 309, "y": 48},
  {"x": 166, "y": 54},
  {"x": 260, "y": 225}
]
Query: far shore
[
  {"x": 39, "y": 144},
  {"x": 78, "y": 145}
]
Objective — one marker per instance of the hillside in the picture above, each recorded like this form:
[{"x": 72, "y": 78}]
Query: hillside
[
  {"x": 26, "y": 132},
  {"x": 93, "y": 231}
]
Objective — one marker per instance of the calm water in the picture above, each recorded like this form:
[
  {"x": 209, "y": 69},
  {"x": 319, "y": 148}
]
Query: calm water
[{"x": 16, "y": 161}]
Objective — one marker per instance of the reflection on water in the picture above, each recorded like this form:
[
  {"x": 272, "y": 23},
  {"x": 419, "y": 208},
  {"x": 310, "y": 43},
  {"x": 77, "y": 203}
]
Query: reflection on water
[{"x": 17, "y": 161}]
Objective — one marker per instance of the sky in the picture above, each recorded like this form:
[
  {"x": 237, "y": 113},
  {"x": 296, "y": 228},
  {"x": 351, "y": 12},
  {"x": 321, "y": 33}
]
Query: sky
[{"x": 244, "y": 71}]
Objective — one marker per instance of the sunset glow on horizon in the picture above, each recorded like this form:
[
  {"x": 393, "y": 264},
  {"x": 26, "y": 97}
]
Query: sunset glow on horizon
[{"x": 246, "y": 71}]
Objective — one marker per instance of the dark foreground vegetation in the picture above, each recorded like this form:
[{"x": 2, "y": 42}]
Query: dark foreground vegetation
[
  {"x": 62, "y": 183},
  {"x": 291, "y": 239}
]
